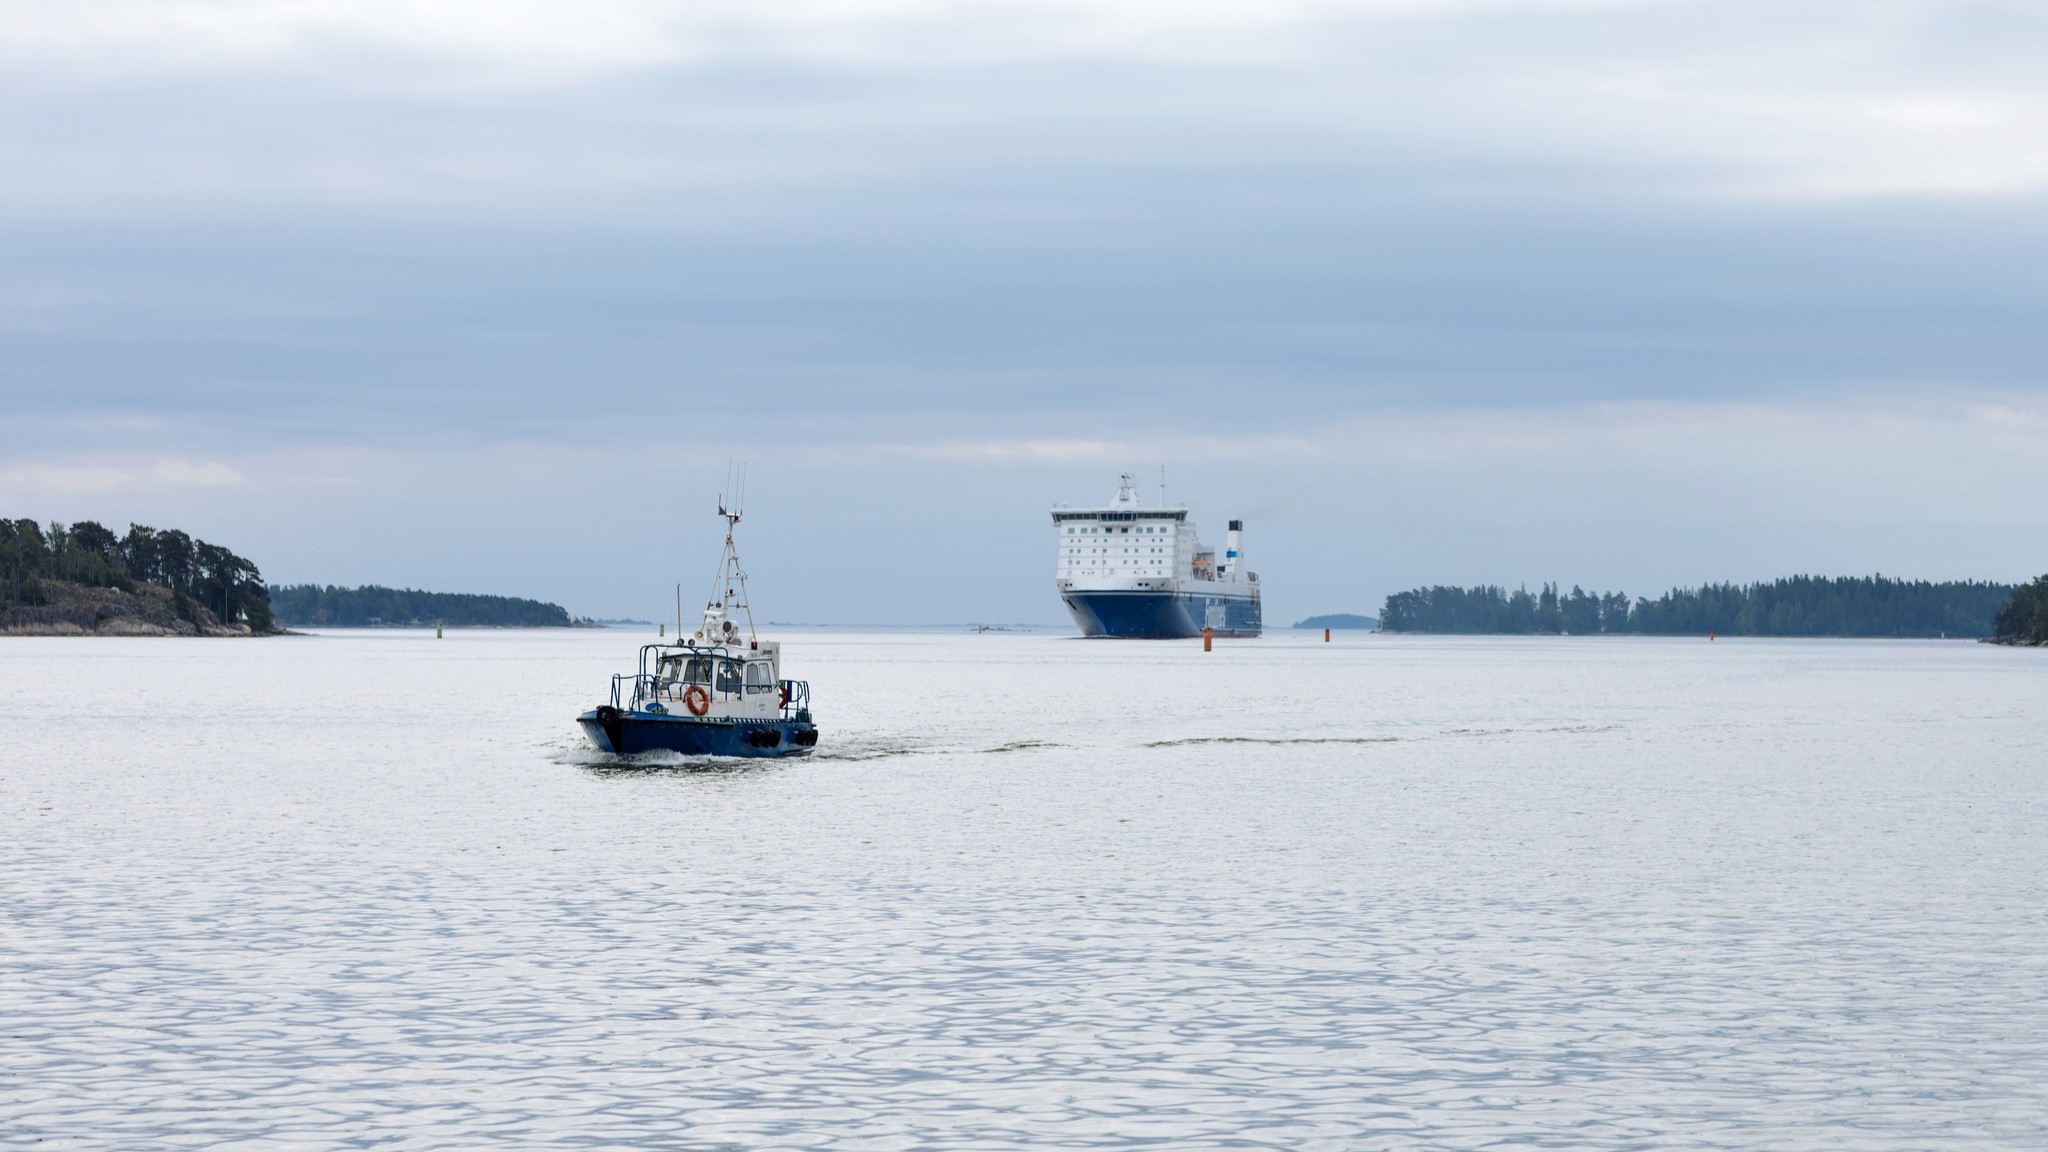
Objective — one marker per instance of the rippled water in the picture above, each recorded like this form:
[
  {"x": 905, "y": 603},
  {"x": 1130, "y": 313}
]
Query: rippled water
[{"x": 368, "y": 890}]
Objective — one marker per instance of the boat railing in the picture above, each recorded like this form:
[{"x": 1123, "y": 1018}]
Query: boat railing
[
  {"x": 796, "y": 699},
  {"x": 643, "y": 686},
  {"x": 632, "y": 690}
]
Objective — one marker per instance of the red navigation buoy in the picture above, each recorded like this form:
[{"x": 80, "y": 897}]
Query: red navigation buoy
[
  {"x": 1326, "y": 635},
  {"x": 1710, "y": 633},
  {"x": 1208, "y": 638}
]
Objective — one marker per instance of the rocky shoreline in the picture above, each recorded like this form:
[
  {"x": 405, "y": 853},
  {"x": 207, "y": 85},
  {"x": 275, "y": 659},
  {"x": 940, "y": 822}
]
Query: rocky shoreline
[{"x": 150, "y": 610}]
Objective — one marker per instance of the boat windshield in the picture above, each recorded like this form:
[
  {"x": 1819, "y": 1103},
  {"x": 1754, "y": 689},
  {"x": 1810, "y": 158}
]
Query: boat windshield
[
  {"x": 725, "y": 676},
  {"x": 686, "y": 669}
]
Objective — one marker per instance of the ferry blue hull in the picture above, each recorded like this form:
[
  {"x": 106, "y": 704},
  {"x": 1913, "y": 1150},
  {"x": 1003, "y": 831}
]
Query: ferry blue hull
[
  {"x": 1162, "y": 615},
  {"x": 632, "y": 733}
]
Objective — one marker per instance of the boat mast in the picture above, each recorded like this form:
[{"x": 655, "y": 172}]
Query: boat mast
[{"x": 732, "y": 579}]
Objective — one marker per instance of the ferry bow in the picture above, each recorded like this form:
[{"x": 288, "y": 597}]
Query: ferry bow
[{"x": 1128, "y": 571}]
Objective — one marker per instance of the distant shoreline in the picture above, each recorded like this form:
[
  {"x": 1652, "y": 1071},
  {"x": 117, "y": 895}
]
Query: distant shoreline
[
  {"x": 374, "y": 605},
  {"x": 1850, "y": 607}
]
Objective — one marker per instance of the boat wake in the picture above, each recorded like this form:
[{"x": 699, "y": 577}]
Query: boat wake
[
  {"x": 1275, "y": 740},
  {"x": 1453, "y": 732},
  {"x": 580, "y": 754},
  {"x": 856, "y": 750}
]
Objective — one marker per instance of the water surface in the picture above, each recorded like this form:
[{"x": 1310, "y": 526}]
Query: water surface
[{"x": 369, "y": 890}]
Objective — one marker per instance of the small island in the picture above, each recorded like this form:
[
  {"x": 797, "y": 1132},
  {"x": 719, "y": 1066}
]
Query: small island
[
  {"x": 1340, "y": 620},
  {"x": 83, "y": 580}
]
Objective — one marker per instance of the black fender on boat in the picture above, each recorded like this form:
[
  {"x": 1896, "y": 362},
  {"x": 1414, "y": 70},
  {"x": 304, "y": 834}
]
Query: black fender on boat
[{"x": 608, "y": 719}]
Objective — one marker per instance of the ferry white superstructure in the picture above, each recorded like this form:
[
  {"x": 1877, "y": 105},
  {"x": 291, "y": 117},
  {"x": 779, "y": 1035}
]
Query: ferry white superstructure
[{"x": 1130, "y": 571}]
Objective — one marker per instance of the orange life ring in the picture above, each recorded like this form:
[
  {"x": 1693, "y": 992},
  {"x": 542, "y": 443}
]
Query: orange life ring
[{"x": 696, "y": 699}]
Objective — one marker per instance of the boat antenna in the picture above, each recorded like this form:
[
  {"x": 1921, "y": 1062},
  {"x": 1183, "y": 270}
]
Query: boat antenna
[
  {"x": 731, "y": 589},
  {"x": 1162, "y": 485}
]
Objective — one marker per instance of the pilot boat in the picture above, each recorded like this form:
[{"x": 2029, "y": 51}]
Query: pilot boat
[{"x": 717, "y": 692}]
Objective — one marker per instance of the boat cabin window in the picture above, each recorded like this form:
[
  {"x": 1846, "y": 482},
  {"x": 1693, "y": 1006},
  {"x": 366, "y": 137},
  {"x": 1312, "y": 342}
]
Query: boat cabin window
[
  {"x": 699, "y": 670},
  {"x": 760, "y": 678},
  {"x": 729, "y": 677}
]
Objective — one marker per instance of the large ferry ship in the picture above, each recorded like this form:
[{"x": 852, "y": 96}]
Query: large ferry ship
[{"x": 1131, "y": 571}]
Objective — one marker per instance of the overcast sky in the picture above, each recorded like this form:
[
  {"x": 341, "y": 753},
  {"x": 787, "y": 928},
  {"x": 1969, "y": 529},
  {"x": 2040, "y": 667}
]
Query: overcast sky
[{"x": 482, "y": 296}]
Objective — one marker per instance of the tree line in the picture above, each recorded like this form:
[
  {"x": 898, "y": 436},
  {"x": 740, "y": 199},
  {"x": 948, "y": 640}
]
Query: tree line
[
  {"x": 91, "y": 554},
  {"x": 316, "y": 606},
  {"x": 2024, "y": 619},
  {"x": 1867, "y": 606}
]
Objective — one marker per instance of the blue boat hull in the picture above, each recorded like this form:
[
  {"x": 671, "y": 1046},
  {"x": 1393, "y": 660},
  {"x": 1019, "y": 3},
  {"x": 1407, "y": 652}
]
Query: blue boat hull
[
  {"x": 1162, "y": 615},
  {"x": 632, "y": 733}
]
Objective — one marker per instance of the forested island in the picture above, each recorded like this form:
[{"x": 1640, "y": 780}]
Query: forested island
[
  {"x": 374, "y": 606},
  {"x": 85, "y": 580},
  {"x": 2024, "y": 619},
  {"x": 1867, "y": 606}
]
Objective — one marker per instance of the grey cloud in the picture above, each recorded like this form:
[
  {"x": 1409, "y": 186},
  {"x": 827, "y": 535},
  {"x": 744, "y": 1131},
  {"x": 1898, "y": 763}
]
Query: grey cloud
[
  {"x": 667, "y": 116},
  {"x": 433, "y": 293}
]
